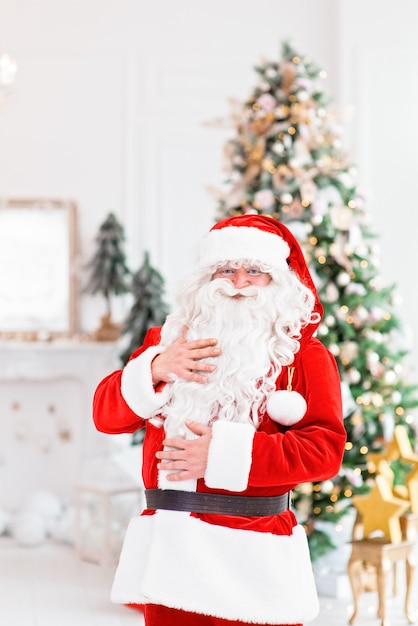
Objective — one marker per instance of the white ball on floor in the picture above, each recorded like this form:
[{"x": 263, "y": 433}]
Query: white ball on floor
[
  {"x": 4, "y": 521},
  {"x": 63, "y": 529},
  {"x": 45, "y": 503},
  {"x": 29, "y": 529}
]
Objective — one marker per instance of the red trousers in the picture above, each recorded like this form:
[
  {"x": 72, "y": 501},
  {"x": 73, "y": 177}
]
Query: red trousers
[{"x": 156, "y": 615}]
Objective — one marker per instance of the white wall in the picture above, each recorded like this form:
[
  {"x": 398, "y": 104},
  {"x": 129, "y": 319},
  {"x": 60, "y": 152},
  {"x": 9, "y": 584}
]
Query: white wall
[
  {"x": 111, "y": 100},
  {"x": 379, "y": 65}
]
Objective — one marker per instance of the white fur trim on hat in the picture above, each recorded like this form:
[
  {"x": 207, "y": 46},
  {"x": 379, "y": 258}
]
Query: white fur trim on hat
[
  {"x": 234, "y": 243},
  {"x": 137, "y": 388},
  {"x": 230, "y": 456}
]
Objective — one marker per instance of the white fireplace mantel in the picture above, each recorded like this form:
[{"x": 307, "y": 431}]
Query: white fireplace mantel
[
  {"x": 46, "y": 395},
  {"x": 88, "y": 361}
]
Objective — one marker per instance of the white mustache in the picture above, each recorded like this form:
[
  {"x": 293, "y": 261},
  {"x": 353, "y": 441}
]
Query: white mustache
[{"x": 226, "y": 288}]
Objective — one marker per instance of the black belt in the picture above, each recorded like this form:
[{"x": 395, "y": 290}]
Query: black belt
[{"x": 200, "y": 502}]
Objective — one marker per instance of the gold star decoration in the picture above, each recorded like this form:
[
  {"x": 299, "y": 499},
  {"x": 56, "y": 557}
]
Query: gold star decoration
[
  {"x": 399, "y": 448},
  {"x": 388, "y": 454},
  {"x": 412, "y": 484},
  {"x": 381, "y": 511},
  {"x": 401, "y": 439},
  {"x": 383, "y": 468}
]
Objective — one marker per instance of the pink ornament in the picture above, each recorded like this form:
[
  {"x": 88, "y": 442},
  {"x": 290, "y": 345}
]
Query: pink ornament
[{"x": 267, "y": 102}]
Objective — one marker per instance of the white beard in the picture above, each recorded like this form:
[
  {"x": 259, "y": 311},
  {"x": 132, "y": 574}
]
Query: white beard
[{"x": 245, "y": 371}]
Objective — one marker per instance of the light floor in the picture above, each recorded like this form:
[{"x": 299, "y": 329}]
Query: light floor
[{"x": 50, "y": 586}]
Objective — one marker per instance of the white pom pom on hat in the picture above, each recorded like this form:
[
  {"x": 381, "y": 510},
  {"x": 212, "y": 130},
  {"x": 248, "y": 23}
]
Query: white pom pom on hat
[{"x": 285, "y": 406}]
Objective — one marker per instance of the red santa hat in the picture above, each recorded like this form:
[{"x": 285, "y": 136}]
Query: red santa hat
[{"x": 258, "y": 238}]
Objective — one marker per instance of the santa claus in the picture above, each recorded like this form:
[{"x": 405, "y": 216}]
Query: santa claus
[{"x": 240, "y": 403}]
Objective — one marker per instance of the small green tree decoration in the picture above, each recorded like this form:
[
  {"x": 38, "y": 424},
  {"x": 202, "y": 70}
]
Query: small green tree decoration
[
  {"x": 110, "y": 273},
  {"x": 148, "y": 309}
]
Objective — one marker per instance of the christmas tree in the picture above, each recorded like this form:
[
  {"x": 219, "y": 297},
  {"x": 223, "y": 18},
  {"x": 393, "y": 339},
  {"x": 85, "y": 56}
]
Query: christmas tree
[
  {"x": 148, "y": 308},
  {"x": 110, "y": 273},
  {"x": 286, "y": 159}
]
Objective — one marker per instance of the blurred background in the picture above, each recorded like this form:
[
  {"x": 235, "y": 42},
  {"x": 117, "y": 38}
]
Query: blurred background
[{"x": 115, "y": 108}]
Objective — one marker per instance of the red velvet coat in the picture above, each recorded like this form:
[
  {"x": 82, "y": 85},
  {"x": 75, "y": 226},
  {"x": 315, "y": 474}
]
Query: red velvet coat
[
  {"x": 253, "y": 569},
  {"x": 279, "y": 459}
]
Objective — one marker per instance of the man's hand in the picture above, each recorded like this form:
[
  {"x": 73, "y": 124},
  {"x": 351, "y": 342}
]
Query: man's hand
[
  {"x": 183, "y": 359},
  {"x": 189, "y": 457}
]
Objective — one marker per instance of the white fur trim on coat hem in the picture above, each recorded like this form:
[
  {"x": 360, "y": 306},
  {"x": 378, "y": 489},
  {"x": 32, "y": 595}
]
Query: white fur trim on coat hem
[
  {"x": 230, "y": 456},
  {"x": 137, "y": 388},
  {"x": 177, "y": 560}
]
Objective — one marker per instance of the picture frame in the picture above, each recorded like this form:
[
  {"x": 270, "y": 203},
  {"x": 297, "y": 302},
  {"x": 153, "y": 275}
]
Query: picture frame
[{"x": 38, "y": 277}]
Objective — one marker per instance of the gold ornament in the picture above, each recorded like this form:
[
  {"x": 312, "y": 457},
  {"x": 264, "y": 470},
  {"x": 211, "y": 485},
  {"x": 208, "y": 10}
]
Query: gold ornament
[
  {"x": 288, "y": 75},
  {"x": 255, "y": 151},
  {"x": 268, "y": 164},
  {"x": 261, "y": 125},
  {"x": 281, "y": 175},
  {"x": 295, "y": 209}
]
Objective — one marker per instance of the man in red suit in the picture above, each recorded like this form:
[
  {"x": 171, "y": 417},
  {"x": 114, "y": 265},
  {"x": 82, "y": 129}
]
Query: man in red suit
[{"x": 240, "y": 403}]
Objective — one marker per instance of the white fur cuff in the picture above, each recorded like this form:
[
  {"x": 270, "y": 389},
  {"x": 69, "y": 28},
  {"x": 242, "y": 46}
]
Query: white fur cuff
[
  {"x": 230, "y": 456},
  {"x": 137, "y": 388}
]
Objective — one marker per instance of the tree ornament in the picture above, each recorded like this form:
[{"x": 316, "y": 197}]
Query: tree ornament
[
  {"x": 342, "y": 217},
  {"x": 343, "y": 279},
  {"x": 353, "y": 376},
  {"x": 285, "y": 406}
]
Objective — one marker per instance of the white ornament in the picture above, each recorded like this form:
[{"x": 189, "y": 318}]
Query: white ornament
[
  {"x": 343, "y": 279},
  {"x": 327, "y": 486},
  {"x": 29, "y": 529},
  {"x": 353, "y": 376},
  {"x": 300, "y": 230},
  {"x": 63, "y": 529},
  {"x": 278, "y": 148},
  {"x": 44, "y": 503},
  {"x": 303, "y": 96},
  {"x": 286, "y": 198}
]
